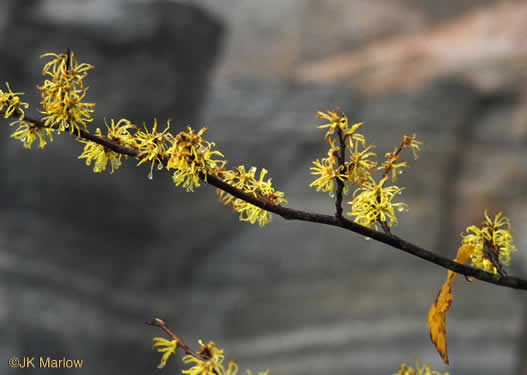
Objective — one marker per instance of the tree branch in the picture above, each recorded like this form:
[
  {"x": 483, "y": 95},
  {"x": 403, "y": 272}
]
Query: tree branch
[{"x": 293, "y": 214}]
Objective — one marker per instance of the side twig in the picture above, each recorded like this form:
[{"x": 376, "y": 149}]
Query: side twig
[
  {"x": 161, "y": 324},
  {"x": 341, "y": 156}
]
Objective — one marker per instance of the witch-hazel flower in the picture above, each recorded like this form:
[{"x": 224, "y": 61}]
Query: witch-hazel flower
[{"x": 372, "y": 203}]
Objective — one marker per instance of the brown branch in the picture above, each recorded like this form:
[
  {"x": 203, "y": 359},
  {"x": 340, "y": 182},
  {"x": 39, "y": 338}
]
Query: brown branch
[
  {"x": 341, "y": 155},
  {"x": 385, "y": 227},
  {"x": 399, "y": 148},
  {"x": 292, "y": 214},
  {"x": 68, "y": 58}
]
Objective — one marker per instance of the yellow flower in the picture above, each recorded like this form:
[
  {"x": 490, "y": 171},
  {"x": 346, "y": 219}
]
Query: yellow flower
[
  {"x": 117, "y": 133},
  {"x": 153, "y": 146},
  {"x": 413, "y": 144},
  {"x": 100, "y": 155},
  {"x": 492, "y": 242},
  {"x": 120, "y": 132},
  {"x": 358, "y": 168},
  {"x": 260, "y": 188},
  {"x": 63, "y": 95},
  {"x": 213, "y": 365},
  {"x": 27, "y": 132},
  {"x": 328, "y": 172},
  {"x": 232, "y": 368},
  {"x": 12, "y": 103},
  {"x": 58, "y": 67},
  {"x": 209, "y": 360},
  {"x": 341, "y": 122},
  {"x": 167, "y": 347},
  {"x": 372, "y": 202},
  {"x": 335, "y": 121},
  {"x": 391, "y": 165},
  {"x": 191, "y": 157},
  {"x": 418, "y": 370},
  {"x": 251, "y": 213},
  {"x": 238, "y": 178}
]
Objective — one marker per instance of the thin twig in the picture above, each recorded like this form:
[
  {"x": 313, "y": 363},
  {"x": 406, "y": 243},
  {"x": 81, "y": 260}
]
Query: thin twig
[
  {"x": 161, "y": 324},
  {"x": 385, "y": 227},
  {"x": 341, "y": 156},
  {"x": 292, "y": 214},
  {"x": 68, "y": 58}
]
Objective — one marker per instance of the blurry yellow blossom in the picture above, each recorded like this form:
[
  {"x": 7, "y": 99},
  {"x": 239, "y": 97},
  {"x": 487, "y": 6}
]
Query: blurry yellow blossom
[
  {"x": 153, "y": 146},
  {"x": 167, "y": 347},
  {"x": 213, "y": 365},
  {"x": 192, "y": 158},
  {"x": 413, "y": 143},
  {"x": 260, "y": 188},
  {"x": 27, "y": 132},
  {"x": 418, "y": 370},
  {"x": 251, "y": 213},
  {"x": 372, "y": 202},
  {"x": 492, "y": 242},
  {"x": 335, "y": 121},
  {"x": 341, "y": 122},
  {"x": 63, "y": 94},
  {"x": 11, "y": 104},
  {"x": 208, "y": 361},
  {"x": 391, "y": 165}
]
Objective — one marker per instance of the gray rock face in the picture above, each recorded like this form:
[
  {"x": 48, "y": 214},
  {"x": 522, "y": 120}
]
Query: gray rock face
[{"x": 85, "y": 259}]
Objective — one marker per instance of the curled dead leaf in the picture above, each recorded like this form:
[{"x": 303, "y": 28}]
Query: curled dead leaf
[{"x": 438, "y": 310}]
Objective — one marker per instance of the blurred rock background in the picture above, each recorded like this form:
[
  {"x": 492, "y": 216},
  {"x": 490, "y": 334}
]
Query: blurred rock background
[{"x": 85, "y": 259}]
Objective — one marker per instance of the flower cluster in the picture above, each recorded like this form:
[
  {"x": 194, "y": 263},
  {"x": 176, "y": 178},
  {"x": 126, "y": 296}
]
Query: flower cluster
[
  {"x": 11, "y": 104},
  {"x": 356, "y": 170},
  {"x": 372, "y": 201},
  {"x": 63, "y": 94},
  {"x": 259, "y": 188},
  {"x": 192, "y": 158},
  {"x": 209, "y": 360},
  {"x": 492, "y": 242},
  {"x": 188, "y": 154},
  {"x": 117, "y": 133},
  {"x": 27, "y": 132}
]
